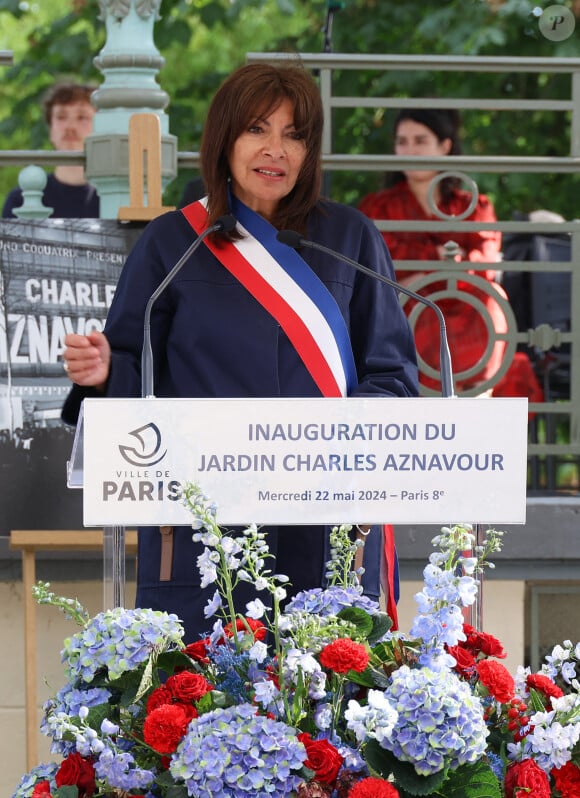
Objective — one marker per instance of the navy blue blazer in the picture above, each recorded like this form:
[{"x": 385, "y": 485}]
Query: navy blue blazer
[{"x": 211, "y": 338}]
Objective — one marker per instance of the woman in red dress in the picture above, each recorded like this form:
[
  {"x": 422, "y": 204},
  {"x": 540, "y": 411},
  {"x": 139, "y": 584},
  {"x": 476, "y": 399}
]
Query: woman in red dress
[{"x": 435, "y": 133}]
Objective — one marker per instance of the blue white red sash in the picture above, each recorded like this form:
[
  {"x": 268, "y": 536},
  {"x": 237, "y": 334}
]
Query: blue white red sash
[{"x": 283, "y": 283}]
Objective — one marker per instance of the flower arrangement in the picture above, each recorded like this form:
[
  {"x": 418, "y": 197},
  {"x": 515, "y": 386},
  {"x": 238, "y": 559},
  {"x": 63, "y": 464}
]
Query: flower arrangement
[{"x": 314, "y": 698}]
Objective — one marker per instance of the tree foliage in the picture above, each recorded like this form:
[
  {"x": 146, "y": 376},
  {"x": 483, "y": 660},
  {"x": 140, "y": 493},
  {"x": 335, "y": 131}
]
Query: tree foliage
[{"x": 203, "y": 40}]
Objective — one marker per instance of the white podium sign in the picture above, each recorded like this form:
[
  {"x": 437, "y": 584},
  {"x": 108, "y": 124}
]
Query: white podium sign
[{"x": 303, "y": 461}]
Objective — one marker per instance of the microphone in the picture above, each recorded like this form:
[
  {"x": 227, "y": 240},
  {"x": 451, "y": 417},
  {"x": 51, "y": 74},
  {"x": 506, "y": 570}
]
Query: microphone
[
  {"x": 293, "y": 239},
  {"x": 223, "y": 224}
]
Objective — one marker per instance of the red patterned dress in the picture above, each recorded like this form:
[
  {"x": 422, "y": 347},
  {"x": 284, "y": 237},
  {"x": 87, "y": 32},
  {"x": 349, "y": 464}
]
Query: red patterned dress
[{"x": 466, "y": 329}]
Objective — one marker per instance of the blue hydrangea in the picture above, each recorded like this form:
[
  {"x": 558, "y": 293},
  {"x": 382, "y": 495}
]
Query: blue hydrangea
[
  {"x": 331, "y": 601},
  {"x": 121, "y": 772},
  {"x": 71, "y": 698},
  {"x": 42, "y": 772},
  {"x": 440, "y": 721},
  {"x": 119, "y": 640},
  {"x": 235, "y": 753}
]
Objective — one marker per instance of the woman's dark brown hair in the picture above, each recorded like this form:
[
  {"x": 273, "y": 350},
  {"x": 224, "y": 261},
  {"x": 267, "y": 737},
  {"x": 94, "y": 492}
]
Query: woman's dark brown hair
[
  {"x": 445, "y": 124},
  {"x": 251, "y": 92}
]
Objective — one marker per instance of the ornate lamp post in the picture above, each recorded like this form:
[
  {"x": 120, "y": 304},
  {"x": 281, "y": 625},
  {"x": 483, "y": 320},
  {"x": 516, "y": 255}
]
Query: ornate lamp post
[{"x": 129, "y": 62}]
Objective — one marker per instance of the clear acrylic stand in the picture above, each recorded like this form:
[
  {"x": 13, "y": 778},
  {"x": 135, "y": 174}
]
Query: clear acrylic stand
[{"x": 113, "y": 536}]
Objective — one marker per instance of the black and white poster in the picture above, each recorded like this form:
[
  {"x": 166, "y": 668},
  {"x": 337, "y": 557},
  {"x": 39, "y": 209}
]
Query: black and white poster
[{"x": 56, "y": 276}]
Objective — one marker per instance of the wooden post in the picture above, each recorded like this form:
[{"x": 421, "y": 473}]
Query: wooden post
[
  {"x": 144, "y": 170},
  {"x": 31, "y": 541}
]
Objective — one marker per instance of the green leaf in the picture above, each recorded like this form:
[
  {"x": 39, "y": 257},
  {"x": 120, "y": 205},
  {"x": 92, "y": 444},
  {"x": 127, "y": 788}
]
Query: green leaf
[
  {"x": 468, "y": 781},
  {"x": 170, "y": 661},
  {"x": 381, "y": 625},
  {"x": 366, "y": 679},
  {"x": 146, "y": 679},
  {"x": 472, "y": 781},
  {"x": 359, "y": 618},
  {"x": 165, "y": 779},
  {"x": 385, "y": 764},
  {"x": 177, "y": 791},
  {"x": 205, "y": 703},
  {"x": 66, "y": 791},
  {"x": 536, "y": 701},
  {"x": 170, "y": 789}
]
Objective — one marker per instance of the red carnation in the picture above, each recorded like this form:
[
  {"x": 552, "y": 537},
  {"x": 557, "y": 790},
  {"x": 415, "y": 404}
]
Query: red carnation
[
  {"x": 567, "y": 780},
  {"x": 465, "y": 661},
  {"x": 188, "y": 686},
  {"x": 322, "y": 758},
  {"x": 537, "y": 681},
  {"x": 41, "y": 790},
  {"x": 496, "y": 678},
  {"x": 165, "y": 726},
  {"x": 248, "y": 625},
  {"x": 344, "y": 655},
  {"x": 76, "y": 771},
  {"x": 373, "y": 788},
  {"x": 483, "y": 643},
  {"x": 198, "y": 651},
  {"x": 161, "y": 695},
  {"x": 526, "y": 777}
]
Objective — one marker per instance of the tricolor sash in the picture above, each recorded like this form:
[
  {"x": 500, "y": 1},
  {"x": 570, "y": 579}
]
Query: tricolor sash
[{"x": 283, "y": 283}]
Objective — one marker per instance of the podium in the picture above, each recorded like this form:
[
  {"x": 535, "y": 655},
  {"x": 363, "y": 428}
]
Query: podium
[{"x": 361, "y": 460}]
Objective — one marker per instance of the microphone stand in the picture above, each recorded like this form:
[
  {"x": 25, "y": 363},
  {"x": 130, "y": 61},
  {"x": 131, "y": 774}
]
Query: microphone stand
[
  {"x": 474, "y": 614},
  {"x": 114, "y": 536},
  {"x": 295, "y": 240},
  {"x": 223, "y": 224}
]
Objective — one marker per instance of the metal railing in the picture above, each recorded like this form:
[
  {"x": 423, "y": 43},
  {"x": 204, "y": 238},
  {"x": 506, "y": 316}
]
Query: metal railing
[
  {"x": 555, "y": 429},
  {"x": 548, "y": 446}
]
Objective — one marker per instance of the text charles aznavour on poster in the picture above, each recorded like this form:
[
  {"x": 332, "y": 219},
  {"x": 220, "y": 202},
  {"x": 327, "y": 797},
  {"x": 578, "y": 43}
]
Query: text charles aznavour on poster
[{"x": 39, "y": 310}]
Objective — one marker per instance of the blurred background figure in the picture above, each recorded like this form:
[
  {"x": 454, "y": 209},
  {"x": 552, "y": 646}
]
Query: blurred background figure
[
  {"x": 435, "y": 133},
  {"x": 68, "y": 112}
]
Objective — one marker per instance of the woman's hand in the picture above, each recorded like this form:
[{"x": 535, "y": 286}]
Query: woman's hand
[{"x": 87, "y": 359}]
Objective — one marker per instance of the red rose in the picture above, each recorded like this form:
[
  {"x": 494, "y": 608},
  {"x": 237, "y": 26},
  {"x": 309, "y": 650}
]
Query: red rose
[
  {"x": 567, "y": 780},
  {"x": 188, "y": 686},
  {"x": 496, "y": 678},
  {"x": 483, "y": 643},
  {"x": 198, "y": 651},
  {"x": 248, "y": 625},
  {"x": 373, "y": 788},
  {"x": 164, "y": 727},
  {"x": 344, "y": 655},
  {"x": 529, "y": 778},
  {"x": 322, "y": 758},
  {"x": 161, "y": 695},
  {"x": 75, "y": 771},
  {"x": 41, "y": 790},
  {"x": 537, "y": 681},
  {"x": 190, "y": 711},
  {"x": 464, "y": 659}
]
